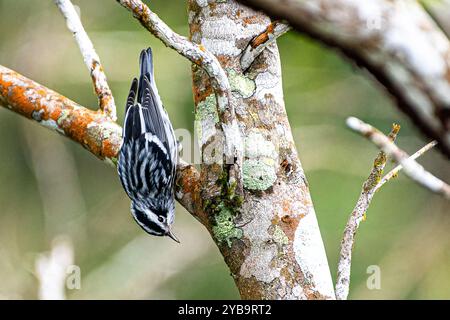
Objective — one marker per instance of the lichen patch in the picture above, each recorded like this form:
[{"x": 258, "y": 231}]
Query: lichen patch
[
  {"x": 258, "y": 174},
  {"x": 206, "y": 118},
  {"x": 256, "y": 145},
  {"x": 241, "y": 84},
  {"x": 224, "y": 229}
]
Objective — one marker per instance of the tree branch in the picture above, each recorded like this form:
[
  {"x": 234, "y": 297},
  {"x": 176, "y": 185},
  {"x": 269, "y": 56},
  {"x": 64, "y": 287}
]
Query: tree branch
[
  {"x": 191, "y": 51},
  {"x": 262, "y": 41},
  {"x": 396, "y": 41},
  {"x": 95, "y": 132},
  {"x": 412, "y": 169},
  {"x": 201, "y": 57},
  {"x": 358, "y": 215},
  {"x": 394, "y": 172},
  {"x": 187, "y": 191},
  {"x": 90, "y": 57},
  {"x": 438, "y": 11},
  {"x": 91, "y": 129},
  {"x": 373, "y": 183}
]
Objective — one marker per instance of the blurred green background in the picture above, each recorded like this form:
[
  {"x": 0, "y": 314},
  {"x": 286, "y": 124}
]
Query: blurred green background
[{"x": 51, "y": 186}]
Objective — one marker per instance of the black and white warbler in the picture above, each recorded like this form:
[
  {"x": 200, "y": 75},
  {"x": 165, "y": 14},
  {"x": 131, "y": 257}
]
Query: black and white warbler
[{"x": 149, "y": 154}]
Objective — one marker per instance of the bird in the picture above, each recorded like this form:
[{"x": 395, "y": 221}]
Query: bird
[{"x": 148, "y": 155}]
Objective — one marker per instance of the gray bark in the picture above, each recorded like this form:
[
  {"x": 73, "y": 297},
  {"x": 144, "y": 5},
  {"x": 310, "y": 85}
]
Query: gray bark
[{"x": 270, "y": 238}]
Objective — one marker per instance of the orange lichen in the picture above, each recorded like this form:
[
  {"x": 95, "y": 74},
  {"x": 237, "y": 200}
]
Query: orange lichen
[
  {"x": 225, "y": 61},
  {"x": 39, "y": 103},
  {"x": 287, "y": 206},
  {"x": 289, "y": 225},
  {"x": 263, "y": 37},
  {"x": 275, "y": 220},
  {"x": 251, "y": 19},
  {"x": 287, "y": 167},
  {"x": 200, "y": 95},
  {"x": 212, "y": 5},
  {"x": 194, "y": 28},
  {"x": 110, "y": 148},
  {"x": 395, "y": 129},
  {"x": 198, "y": 61}
]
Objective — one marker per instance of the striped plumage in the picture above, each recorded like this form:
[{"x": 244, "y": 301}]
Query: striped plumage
[{"x": 148, "y": 156}]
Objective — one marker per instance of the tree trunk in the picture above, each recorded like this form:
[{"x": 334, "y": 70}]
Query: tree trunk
[{"x": 269, "y": 236}]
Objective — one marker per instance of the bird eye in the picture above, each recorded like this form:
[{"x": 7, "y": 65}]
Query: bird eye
[{"x": 161, "y": 219}]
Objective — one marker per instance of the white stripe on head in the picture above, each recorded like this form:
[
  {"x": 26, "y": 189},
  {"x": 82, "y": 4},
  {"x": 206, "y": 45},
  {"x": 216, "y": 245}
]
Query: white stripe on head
[{"x": 151, "y": 216}]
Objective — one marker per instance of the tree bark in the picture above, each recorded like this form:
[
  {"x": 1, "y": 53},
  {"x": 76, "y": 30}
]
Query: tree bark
[
  {"x": 396, "y": 41},
  {"x": 269, "y": 237}
]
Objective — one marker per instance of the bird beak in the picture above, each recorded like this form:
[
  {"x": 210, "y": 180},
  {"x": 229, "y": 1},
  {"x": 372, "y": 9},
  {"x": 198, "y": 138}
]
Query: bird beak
[{"x": 172, "y": 236}]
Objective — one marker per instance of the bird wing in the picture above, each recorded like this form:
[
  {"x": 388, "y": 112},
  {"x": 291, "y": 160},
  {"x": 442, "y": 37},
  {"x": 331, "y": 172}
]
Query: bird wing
[
  {"x": 147, "y": 116},
  {"x": 127, "y": 133},
  {"x": 155, "y": 118}
]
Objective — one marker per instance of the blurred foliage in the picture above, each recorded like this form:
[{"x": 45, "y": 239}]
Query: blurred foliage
[{"x": 51, "y": 186}]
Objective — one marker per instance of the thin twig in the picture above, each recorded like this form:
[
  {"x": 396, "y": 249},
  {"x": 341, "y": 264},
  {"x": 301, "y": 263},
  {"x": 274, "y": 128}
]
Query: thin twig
[
  {"x": 358, "y": 215},
  {"x": 199, "y": 55},
  {"x": 90, "y": 57},
  {"x": 370, "y": 187},
  {"x": 411, "y": 168},
  {"x": 257, "y": 45},
  {"x": 393, "y": 173}
]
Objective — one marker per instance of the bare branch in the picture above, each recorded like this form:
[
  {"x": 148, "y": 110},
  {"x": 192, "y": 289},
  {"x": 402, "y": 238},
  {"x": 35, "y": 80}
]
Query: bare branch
[
  {"x": 438, "y": 11},
  {"x": 358, "y": 215},
  {"x": 91, "y": 129},
  {"x": 197, "y": 54},
  {"x": 262, "y": 41},
  {"x": 412, "y": 169},
  {"x": 397, "y": 169},
  {"x": 95, "y": 132},
  {"x": 396, "y": 41},
  {"x": 370, "y": 187},
  {"x": 90, "y": 57}
]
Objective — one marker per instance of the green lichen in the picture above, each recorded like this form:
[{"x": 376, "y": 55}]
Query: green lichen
[
  {"x": 224, "y": 209},
  {"x": 225, "y": 229},
  {"x": 206, "y": 115},
  {"x": 258, "y": 174},
  {"x": 241, "y": 84},
  {"x": 206, "y": 110},
  {"x": 279, "y": 236}
]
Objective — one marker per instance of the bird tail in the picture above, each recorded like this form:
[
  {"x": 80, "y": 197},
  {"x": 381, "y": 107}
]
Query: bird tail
[{"x": 146, "y": 70}]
